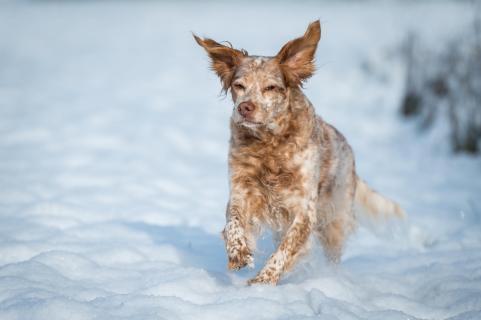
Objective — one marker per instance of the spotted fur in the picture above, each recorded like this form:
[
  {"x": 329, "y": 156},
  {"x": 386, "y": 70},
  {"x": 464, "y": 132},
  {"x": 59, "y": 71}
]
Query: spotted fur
[{"x": 288, "y": 169}]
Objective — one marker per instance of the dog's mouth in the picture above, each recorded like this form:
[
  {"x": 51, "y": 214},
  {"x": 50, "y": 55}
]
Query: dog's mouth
[
  {"x": 247, "y": 122},
  {"x": 250, "y": 123}
]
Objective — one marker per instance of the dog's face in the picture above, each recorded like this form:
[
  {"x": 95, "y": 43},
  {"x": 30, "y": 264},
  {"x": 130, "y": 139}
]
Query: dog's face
[
  {"x": 261, "y": 86},
  {"x": 259, "y": 92}
]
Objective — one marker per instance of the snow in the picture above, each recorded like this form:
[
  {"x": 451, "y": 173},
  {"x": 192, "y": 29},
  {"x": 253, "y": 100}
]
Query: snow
[{"x": 113, "y": 177}]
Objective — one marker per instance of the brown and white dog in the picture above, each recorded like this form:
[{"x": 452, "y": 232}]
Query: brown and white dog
[{"x": 289, "y": 170}]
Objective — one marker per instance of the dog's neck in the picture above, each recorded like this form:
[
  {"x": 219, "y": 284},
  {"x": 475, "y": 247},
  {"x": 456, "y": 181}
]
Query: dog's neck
[{"x": 294, "y": 126}]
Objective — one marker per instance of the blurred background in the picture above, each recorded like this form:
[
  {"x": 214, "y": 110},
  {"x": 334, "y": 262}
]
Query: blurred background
[{"x": 113, "y": 150}]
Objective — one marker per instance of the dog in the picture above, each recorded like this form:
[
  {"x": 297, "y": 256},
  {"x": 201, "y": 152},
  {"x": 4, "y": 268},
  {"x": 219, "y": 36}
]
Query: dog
[{"x": 288, "y": 169}]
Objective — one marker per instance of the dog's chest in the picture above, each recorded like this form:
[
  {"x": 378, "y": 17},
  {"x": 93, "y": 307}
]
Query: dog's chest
[
  {"x": 276, "y": 172},
  {"x": 273, "y": 170},
  {"x": 278, "y": 180}
]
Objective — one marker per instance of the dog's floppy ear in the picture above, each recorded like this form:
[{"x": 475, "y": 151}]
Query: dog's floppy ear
[
  {"x": 224, "y": 59},
  {"x": 296, "y": 57}
]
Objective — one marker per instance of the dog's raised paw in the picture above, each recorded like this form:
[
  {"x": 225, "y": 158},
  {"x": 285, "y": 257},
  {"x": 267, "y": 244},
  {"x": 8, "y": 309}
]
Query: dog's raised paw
[{"x": 241, "y": 260}]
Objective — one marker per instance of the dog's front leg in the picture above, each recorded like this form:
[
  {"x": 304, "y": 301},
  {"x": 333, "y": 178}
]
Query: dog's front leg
[
  {"x": 289, "y": 249},
  {"x": 237, "y": 235}
]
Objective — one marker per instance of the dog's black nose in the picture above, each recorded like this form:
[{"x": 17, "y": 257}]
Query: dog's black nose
[{"x": 246, "y": 109}]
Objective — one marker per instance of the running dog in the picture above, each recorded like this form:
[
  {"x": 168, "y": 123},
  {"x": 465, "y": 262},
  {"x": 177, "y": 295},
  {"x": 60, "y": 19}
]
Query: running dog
[{"x": 289, "y": 170}]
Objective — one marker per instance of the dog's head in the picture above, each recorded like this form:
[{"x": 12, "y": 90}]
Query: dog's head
[{"x": 261, "y": 86}]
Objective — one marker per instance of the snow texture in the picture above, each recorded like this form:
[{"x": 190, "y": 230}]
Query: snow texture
[{"x": 113, "y": 174}]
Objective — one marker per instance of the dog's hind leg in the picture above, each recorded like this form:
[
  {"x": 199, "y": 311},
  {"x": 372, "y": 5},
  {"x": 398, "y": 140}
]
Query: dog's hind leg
[
  {"x": 335, "y": 223},
  {"x": 332, "y": 237}
]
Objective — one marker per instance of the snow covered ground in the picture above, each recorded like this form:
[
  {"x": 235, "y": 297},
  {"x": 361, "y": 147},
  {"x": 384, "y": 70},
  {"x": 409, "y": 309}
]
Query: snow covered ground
[{"x": 113, "y": 177}]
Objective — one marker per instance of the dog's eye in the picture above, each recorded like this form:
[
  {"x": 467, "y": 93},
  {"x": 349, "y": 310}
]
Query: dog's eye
[
  {"x": 238, "y": 86},
  {"x": 270, "y": 88}
]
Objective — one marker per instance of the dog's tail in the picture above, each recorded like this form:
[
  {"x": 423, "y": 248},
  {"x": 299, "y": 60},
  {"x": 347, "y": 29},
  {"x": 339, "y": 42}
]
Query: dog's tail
[{"x": 374, "y": 204}]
